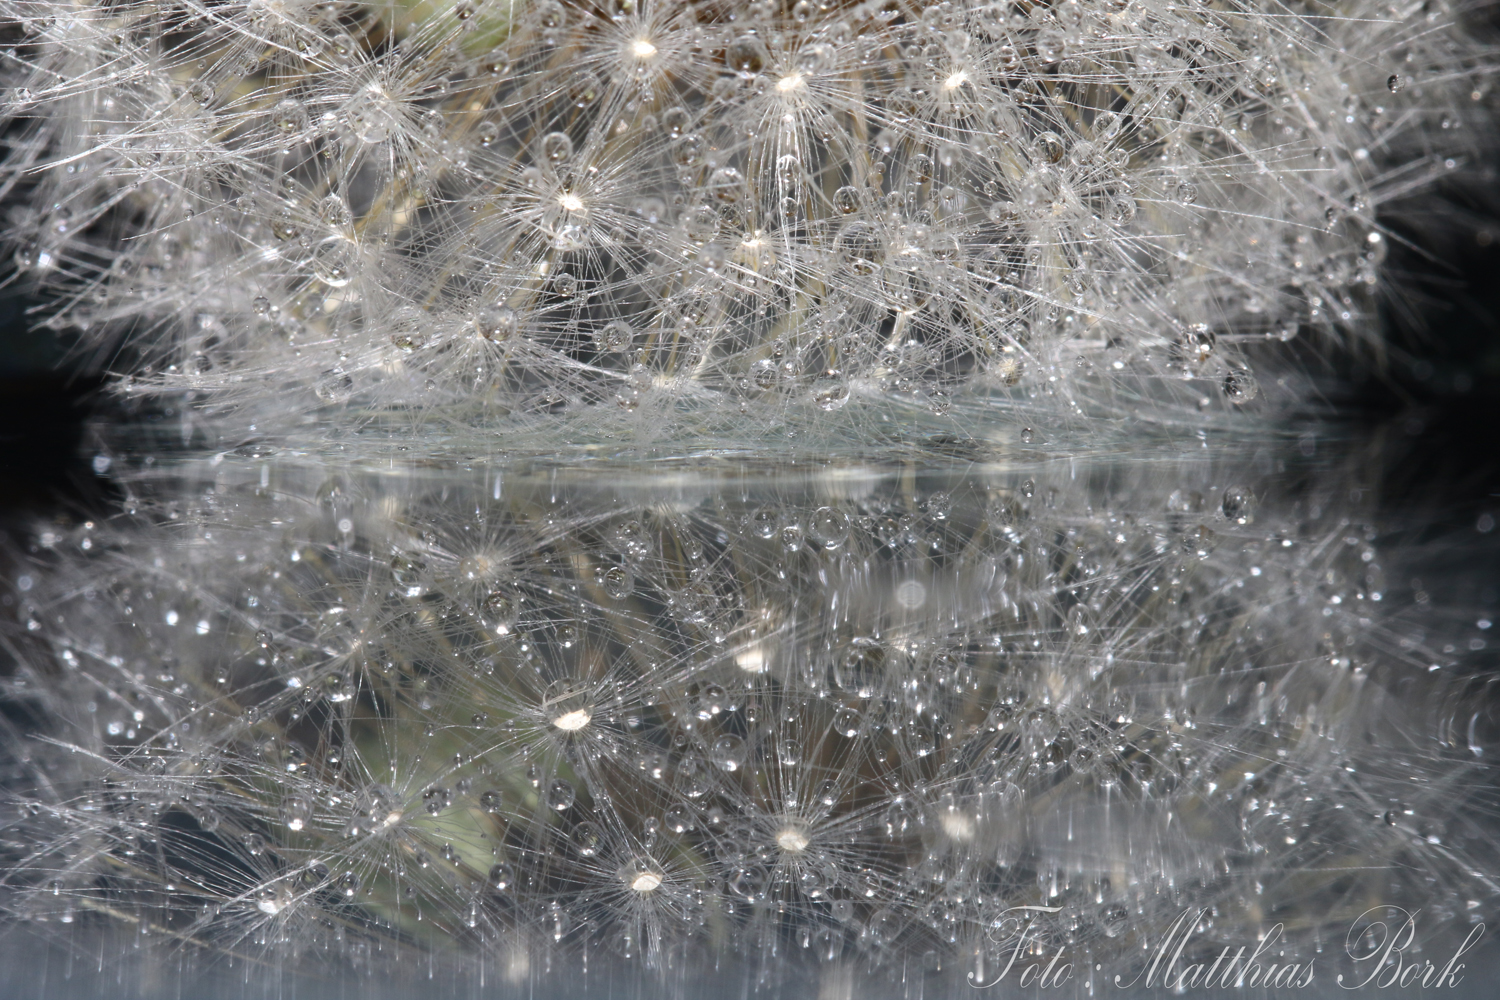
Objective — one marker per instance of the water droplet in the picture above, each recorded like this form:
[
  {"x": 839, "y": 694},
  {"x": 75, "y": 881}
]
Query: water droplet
[
  {"x": 830, "y": 394},
  {"x": 1238, "y": 504},
  {"x": 859, "y": 246},
  {"x": 726, "y": 184},
  {"x": 858, "y": 671},
  {"x": 296, "y": 812},
  {"x": 615, "y": 336},
  {"x": 372, "y": 114},
  {"x": 435, "y": 800},
  {"x": 333, "y": 387},
  {"x": 828, "y": 527},
  {"x": 678, "y": 819},
  {"x": 728, "y": 752},
  {"x": 747, "y": 54},
  {"x": 1048, "y": 147},
  {"x": 1113, "y": 919},
  {"x": 1240, "y": 386},
  {"x": 587, "y": 840},
  {"x": 557, "y": 147},
  {"x": 500, "y": 609},
  {"x": 748, "y": 882},
  {"x": 618, "y": 583},
  {"x": 289, "y": 116},
  {"x": 502, "y": 877},
  {"x": 334, "y": 262},
  {"x": 1395, "y": 83},
  {"x": 496, "y": 323},
  {"x": 848, "y": 722},
  {"x": 560, "y": 795},
  {"x": 846, "y": 200}
]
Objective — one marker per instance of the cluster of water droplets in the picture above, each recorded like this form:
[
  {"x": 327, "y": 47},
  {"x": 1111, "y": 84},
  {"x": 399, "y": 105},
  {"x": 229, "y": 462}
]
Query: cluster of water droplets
[{"x": 563, "y": 212}]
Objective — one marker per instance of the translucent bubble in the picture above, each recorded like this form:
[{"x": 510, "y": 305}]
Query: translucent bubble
[
  {"x": 1113, "y": 919},
  {"x": 828, "y": 527},
  {"x": 487, "y": 134},
  {"x": 729, "y": 752},
  {"x": 284, "y": 228},
  {"x": 618, "y": 583},
  {"x": 560, "y": 795},
  {"x": 255, "y": 844},
  {"x": 564, "y": 284},
  {"x": 789, "y": 752},
  {"x": 491, "y": 801},
  {"x": 289, "y": 117},
  {"x": 502, "y": 877},
  {"x": 1187, "y": 193},
  {"x": 496, "y": 323},
  {"x": 557, "y": 147},
  {"x": 939, "y": 506},
  {"x": 334, "y": 213}
]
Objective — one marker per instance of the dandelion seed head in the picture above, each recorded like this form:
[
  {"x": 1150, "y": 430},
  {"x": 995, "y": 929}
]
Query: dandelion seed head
[
  {"x": 571, "y": 722},
  {"x": 792, "y": 839}
]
